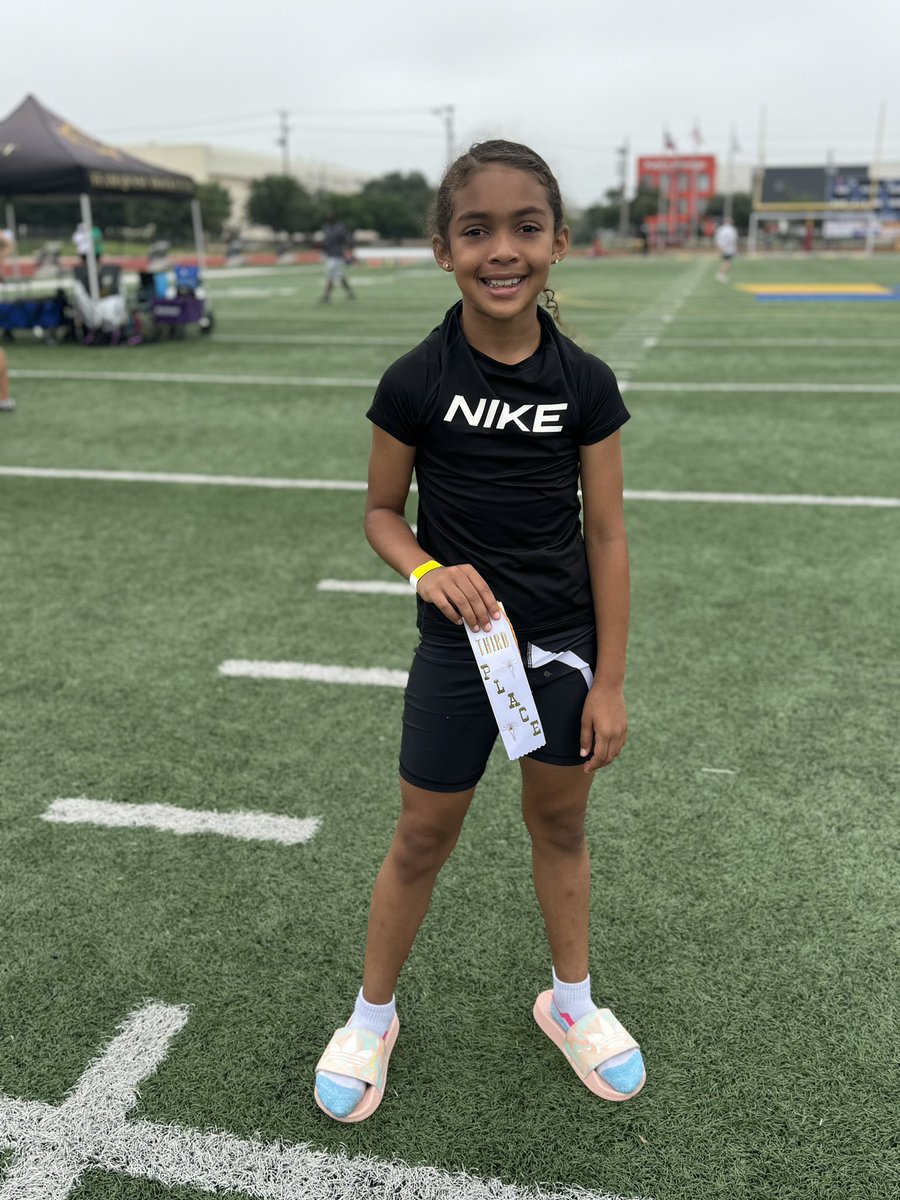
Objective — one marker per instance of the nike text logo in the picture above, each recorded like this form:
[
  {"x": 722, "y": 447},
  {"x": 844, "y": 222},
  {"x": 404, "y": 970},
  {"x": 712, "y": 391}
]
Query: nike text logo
[{"x": 497, "y": 414}]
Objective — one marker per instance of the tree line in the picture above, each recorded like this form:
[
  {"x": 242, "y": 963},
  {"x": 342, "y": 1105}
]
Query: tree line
[{"x": 395, "y": 206}]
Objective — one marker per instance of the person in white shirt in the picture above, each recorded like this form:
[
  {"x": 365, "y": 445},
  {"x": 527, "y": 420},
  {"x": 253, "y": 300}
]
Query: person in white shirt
[
  {"x": 727, "y": 242},
  {"x": 82, "y": 239},
  {"x": 7, "y": 249}
]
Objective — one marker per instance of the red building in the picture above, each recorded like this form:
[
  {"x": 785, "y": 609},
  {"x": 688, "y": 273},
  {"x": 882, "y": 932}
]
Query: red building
[{"x": 685, "y": 182}]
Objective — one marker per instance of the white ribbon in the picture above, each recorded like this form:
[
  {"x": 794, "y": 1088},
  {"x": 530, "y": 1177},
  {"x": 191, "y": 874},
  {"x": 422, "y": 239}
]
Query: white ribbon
[
  {"x": 539, "y": 658},
  {"x": 503, "y": 675}
]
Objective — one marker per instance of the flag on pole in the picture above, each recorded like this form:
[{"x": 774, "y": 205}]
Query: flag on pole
[
  {"x": 696, "y": 135},
  {"x": 668, "y": 141}
]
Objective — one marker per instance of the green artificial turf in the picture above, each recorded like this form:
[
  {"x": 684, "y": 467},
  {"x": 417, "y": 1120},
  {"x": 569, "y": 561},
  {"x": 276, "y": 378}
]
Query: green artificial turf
[{"x": 744, "y": 925}]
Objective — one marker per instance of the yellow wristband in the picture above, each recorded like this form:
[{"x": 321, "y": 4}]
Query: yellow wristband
[{"x": 417, "y": 574}]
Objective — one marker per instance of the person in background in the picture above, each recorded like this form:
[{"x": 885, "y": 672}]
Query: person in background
[
  {"x": 7, "y": 404},
  {"x": 726, "y": 242},
  {"x": 82, "y": 237},
  {"x": 82, "y": 241},
  {"x": 337, "y": 247},
  {"x": 7, "y": 247}
]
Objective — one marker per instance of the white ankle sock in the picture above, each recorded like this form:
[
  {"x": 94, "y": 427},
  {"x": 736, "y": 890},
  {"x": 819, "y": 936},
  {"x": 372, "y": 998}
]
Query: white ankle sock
[
  {"x": 375, "y": 1017},
  {"x": 574, "y": 1001}
]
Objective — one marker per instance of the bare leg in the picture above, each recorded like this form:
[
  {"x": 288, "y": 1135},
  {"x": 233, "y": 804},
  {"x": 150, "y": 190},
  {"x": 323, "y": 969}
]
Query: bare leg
[
  {"x": 5, "y": 402},
  {"x": 426, "y": 832},
  {"x": 554, "y": 802}
]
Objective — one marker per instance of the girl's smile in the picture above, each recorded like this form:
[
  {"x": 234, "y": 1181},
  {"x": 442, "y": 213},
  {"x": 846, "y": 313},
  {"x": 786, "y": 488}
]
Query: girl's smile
[{"x": 502, "y": 241}]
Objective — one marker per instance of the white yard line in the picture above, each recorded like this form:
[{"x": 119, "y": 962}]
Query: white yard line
[
  {"x": 54, "y": 1149},
  {"x": 252, "y": 481},
  {"x": 796, "y": 389},
  {"x": 628, "y": 345},
  {"x": 767, "y": 498},
  {"x": 717, "y": 771},
  {"x": 353, "y": 485},
  {"x": 314, "y": 672},
  {"x": 248, "y": 826},
  {"x": 327, "y": 381},
  {"x": 312, "y": 339},
  {"x": 365, "y": 587},
  {"x": 766, "y": 341},
  {"x": 53, "y": 1146}
]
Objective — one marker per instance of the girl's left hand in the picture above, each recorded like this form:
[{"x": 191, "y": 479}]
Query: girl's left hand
[{"x": 604, "y": 725}]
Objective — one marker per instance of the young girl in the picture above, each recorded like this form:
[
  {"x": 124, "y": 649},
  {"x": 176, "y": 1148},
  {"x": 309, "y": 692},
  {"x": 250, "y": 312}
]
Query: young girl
[{"x": 500, "y": 416}]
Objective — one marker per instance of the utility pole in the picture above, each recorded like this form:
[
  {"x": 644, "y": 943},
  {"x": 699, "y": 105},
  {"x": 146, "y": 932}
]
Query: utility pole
[
  {"x": 282, "y": 140},
  {"x": 448, "y": 111},
  {"x": 875, "y": 180},
  {"x": 729, "y": 175},
  {"x": 622, "y": 154}
]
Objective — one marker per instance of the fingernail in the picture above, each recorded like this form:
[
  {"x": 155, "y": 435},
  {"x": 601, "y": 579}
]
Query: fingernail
[
  {"x": 487, "y": 627},
  {"x": 582, "y": 753}
]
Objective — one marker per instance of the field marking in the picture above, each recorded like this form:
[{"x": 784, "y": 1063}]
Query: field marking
[
  {"x": 648, "y": 325},
  {"x": 365, "y": 587},
  {"x": 764, "y": 341},
  {"x": 250, "y": 293},
  {"x": 766, "y": 498},
  {"x": 353, "y": 485},
  {"x": 717, "y": 771},
  {"x": 243, "y": 668},
  {"x": 248, "y": 826},
  {"x": 311, "y": 339},
  {"x": 812, "y": 389},
  {"x": 253, "y": 481},
  {"x": 53, "y": 1146},
  {"x": 327, "y": 381}
]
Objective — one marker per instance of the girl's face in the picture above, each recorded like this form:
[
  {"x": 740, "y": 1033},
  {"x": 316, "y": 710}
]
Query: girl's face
[{"x": 502, "y": 241}]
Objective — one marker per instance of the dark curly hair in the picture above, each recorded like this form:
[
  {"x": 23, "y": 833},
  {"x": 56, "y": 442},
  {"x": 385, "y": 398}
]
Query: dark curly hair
[{"x": 507, "y": 154}]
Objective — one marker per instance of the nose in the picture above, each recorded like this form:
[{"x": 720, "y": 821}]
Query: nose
[{"x": 504, "y": 249}]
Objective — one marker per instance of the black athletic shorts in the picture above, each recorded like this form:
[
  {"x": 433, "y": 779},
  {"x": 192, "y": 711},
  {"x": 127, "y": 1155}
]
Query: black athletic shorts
[{"x": 449, "y": 727}]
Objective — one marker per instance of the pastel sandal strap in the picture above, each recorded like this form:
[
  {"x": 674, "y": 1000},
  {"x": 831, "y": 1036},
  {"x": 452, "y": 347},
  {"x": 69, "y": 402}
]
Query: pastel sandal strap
[
  {"x": 358, "y": 1053},
  {"x": 598, "y": 1036}
]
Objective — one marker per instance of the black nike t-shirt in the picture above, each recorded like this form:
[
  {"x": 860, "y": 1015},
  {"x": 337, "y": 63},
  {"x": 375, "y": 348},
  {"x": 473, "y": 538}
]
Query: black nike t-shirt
[{"x": 497, "y": 465}]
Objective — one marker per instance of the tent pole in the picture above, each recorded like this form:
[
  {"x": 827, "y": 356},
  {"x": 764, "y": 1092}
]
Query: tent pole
[
  {"x": 88, "y": 221},
  {"x": 11, "y": 225},
  {"x": 197, "y": 218}
]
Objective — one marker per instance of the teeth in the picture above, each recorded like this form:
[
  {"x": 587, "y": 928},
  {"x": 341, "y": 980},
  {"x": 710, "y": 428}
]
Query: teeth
[{"x": 503, "y": 283}]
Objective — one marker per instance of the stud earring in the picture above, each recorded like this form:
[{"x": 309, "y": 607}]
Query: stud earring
[{"x": 446, "y": 266}]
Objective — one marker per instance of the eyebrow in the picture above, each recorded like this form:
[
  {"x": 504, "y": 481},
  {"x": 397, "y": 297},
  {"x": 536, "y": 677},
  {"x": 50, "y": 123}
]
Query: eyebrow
[{"x": 483, "y": 216}]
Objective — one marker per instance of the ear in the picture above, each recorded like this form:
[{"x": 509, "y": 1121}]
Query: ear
[
  {"x": 561, "y": 243},
  {"x": 440, "y": 252}
]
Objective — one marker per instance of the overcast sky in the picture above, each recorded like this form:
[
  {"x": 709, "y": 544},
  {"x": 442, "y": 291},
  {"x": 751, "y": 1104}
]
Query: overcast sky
[{"x": 574, "y": 78}]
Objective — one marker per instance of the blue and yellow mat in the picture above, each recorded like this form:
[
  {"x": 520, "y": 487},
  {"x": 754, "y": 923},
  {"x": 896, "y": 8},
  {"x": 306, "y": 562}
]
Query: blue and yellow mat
[{"x": 820, "y": 291}]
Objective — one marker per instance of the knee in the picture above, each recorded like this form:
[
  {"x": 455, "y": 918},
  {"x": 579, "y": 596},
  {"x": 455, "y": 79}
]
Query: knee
[
  {"x": 561, "y": 830},
  {"x": 420, "y": 850}
]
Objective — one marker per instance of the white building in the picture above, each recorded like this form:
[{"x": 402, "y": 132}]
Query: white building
[{"x": 234, "y": 169}]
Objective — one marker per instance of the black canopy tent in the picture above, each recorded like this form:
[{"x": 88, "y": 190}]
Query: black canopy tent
[{"x": 41, "y": 155}]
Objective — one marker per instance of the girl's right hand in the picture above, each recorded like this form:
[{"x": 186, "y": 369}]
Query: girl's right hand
[{"x": 461, "y": 595}]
